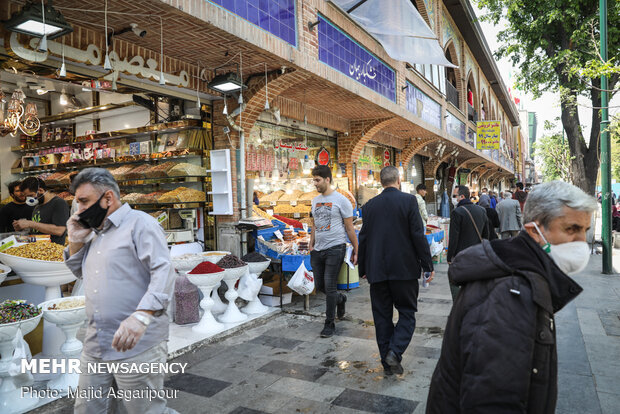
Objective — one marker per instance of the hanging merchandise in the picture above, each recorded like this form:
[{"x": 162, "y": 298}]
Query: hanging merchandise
[
  {"x": 386, "y": 158},
  {"x": 323, "y": 157},
  {"x": 18, "y": 118}
]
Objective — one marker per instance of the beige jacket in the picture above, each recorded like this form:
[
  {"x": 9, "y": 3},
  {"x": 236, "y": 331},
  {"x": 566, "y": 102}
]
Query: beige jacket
[{"x": 422, "y": 207}]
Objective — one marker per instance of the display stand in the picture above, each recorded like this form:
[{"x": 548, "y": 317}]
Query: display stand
[
  {"x": 221, "y": 183},
  {"x": 255, "y": 306},
  {"x": 232, "y": 313},
  {"x": 207, "y": 324}
]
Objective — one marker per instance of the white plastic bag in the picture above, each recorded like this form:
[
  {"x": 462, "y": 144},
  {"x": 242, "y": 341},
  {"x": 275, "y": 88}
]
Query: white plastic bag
[
  {"x": 436, "y": 248},
  {"x": 22, "y": 351},
  {"x": 302, "y": 281},
  {"x": 249, "y": 286}
]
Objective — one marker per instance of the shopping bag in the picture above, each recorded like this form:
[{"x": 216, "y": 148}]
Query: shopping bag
[
  {"x": 302, "y": 281},
  {"x": 436, "y": 248},
  {"x": 249, "y": 286}
]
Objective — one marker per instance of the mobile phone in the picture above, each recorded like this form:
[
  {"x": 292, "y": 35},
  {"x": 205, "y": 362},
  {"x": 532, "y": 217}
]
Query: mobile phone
[{"x": 425, "y": 277}]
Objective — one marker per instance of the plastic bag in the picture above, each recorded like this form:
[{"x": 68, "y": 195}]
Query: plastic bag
[
  {"x": 187, "y": 301},
  {"x": 22, "y": 351},
  {"x": 436, "y": 248},
  {"x": 249, "y": 286},
  {"x": 302, "y": 281}
]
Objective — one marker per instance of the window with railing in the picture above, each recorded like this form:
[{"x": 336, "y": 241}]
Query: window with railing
[{"x": 452, "y": 94}]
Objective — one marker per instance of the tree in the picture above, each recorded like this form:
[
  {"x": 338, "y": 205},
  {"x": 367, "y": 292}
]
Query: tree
[
  {"x": 552, "y": 43},
  {"x": 552, "y": 154},
  {"x": 615, "y": 149}
]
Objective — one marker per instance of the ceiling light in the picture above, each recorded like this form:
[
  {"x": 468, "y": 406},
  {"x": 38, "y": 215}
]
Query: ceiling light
[
  {"x": 106, "y": 64},
  {"x": 225, "y": 111},
  {"x": 64, "y": 99},
  {"x": 226, "y": 83},
  {"x": 30, "y": 21},
  {"x": 401, "y": 171},
  {"x": 63, "y": 70},
  {"x": 41, "y": 91}
]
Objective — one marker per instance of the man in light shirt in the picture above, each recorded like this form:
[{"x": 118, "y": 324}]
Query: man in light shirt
[
  {"x": 420, "y": 194},
  {"x": 122, "y": 256}
]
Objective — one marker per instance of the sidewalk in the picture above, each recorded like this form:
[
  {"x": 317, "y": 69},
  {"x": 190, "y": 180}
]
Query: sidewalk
[{"x": 283, "y": 366}]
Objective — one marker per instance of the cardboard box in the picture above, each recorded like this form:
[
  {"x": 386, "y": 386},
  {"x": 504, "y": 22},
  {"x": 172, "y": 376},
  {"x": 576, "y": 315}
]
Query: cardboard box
[
  {"x": 273, "y": 287},
  {"x": 272, "y": 301}
]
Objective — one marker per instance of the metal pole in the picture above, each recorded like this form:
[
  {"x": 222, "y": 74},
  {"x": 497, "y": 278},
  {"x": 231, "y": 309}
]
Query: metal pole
[{"x": 605, "y": 151}]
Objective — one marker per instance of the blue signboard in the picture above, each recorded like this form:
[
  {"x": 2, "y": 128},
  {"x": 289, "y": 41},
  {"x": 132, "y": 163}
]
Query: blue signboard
[
  {"x": 455, "y": 126},
  {"x": 423, "y": 106},
  {"x": 341, "y": 52},
  {"x": 274, "y": 16}
]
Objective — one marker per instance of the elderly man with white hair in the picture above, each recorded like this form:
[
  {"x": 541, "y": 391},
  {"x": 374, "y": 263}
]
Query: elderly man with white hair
[
  {"x": 499, "y": 349},
  {"x": 122, "y": 256}
]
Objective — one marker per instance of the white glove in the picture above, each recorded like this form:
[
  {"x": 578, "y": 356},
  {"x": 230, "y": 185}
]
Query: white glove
[
  {"x": 129, "y": 332},
  {"x": 76, "y": 232}
]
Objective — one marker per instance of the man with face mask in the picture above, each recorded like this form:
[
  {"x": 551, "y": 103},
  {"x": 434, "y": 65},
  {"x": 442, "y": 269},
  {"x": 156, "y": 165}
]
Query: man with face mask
[
  {"x": 123, "y": 259},
  {"x": 15, "y": 210},
  {"x": 499, "y": 349},
  {"x": 50, "y": 212}
]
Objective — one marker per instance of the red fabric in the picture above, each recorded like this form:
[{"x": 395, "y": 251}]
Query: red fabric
[{"x": 470, "y": 98}]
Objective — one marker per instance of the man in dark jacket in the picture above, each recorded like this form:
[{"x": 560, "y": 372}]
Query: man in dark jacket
[
  {"x": 520, "y": 195},
  {"x": 492, "y": 216},
  {"x": 468, "y": 226},
  {"x": 393, "y": 252},
  {"x": 499, "y": 349}
]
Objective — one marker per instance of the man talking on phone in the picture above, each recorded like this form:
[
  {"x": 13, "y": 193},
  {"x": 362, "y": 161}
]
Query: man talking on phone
[
  {"x": 122, "y": 256},
  {"x": 392, "y": 254}
]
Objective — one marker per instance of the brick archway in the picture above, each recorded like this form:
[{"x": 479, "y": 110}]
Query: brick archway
[
  {"x": 430, "y": 171},
  {"x": 414, "y": 147},
  {"x": 452, "y": 55},
  {"x": 474, "y": 89}
]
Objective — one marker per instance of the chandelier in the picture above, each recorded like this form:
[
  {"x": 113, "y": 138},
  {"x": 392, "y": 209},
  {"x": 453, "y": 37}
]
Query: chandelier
[{"x": 17, "y": 118}]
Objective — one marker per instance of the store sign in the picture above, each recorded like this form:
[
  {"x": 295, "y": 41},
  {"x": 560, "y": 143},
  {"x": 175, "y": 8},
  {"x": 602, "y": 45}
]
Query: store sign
[
  {"x": 322, "y": 158},
  {"x": 92, "y": 55},
  {"x": 455, "y": 127},
  {"x": 488, "y": 135},
  {"x": 274, "y": 16},
  {"x": 423, "y": 106},
  {"x": 341, "y": 52}
]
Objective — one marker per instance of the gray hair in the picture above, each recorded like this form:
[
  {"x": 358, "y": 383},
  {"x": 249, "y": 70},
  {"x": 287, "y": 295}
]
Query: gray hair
[
  {"x": 100, "y": 178},
  {"x": 546, "y": 201},
  {"x": 507, "y": 195},
  {"x": 389, "y": 175}
]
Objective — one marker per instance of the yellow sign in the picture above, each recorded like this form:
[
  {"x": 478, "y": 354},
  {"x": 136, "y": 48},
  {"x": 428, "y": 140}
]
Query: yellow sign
[{"x": 488, "y": 135}]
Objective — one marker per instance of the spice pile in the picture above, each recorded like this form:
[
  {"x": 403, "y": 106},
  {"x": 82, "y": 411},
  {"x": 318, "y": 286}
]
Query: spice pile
[
  {"x": 205, "y": 268},
  {"x": 17, "y": 310},
  {"x": 68, "y": 304},
  {"x": 41, "y": 250},
  {"x": 230, "y": 262},
  {"x": 254, "y": 257}
]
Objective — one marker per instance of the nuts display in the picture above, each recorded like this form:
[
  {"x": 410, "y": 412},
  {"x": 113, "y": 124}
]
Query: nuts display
[
  {"x": 68, "y": 304},
  {"x": 41, "y": 250}
]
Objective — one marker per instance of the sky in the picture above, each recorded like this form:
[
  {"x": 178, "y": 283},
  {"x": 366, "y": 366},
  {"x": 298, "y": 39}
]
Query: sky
[{"x": 547, "y": 107}]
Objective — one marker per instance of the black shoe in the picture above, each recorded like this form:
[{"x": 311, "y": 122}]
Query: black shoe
[
  {"x": 387, "y": 371},
  {"x": 340, "y": 308},
  {"x": 392, "y": 360},
  {"x": 328, "y": 330}
]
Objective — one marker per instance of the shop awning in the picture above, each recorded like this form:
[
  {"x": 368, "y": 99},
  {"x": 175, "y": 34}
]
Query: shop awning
[{"x": 399, "y": 28}]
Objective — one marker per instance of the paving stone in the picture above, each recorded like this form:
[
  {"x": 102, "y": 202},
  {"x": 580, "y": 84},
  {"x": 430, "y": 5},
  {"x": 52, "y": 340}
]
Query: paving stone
[
  {"x": 610, "y": 321},
  {"x": 305, "y": 389},
  {"x": 270, "y": 402},
  {"x": 293, "y": 370},
  {"x": 609, "y": 402},
  {"x": 374, "y": 403},
  {"x": 607, "y": 384},
  {"x": 572, "y": 355},
  {"x": 590, "y": 322},
  {"x": 426, "y": 352},
  {"x": 196, "y": 384},
  {"x": 191, "y": 403},
  {"x": 302, "y": 405},
  {"x": 244, "y": 410},
  {"x": 276, "y": 342},
  {"x": 577, "y": 394}
]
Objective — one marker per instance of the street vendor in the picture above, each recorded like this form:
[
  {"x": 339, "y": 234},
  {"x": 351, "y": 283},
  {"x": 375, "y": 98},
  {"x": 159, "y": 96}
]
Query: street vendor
[
  {"x": 50, "y": 212},
  {"x": 15, "y": 210}
]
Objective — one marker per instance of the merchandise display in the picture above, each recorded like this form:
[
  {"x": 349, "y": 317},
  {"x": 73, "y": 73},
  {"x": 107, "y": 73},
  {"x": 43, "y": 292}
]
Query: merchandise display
[
  {"x": 231, "y": 262},
  {"x": 254, "y": 257},
  {"x": 41, "y": 250},
  {"x": 205, "y": 268},
  {"x": 68, "y": 304},
  {"x": 17, "y": 310}
]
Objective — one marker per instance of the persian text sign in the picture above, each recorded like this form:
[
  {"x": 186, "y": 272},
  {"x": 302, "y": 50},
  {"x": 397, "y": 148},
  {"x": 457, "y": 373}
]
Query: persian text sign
[{"x": 488, "y": 135}]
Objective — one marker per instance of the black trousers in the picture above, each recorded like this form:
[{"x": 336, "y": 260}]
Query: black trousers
[
  {"x": 384, "y": 297},
  {"x": 326, "y": 265}
]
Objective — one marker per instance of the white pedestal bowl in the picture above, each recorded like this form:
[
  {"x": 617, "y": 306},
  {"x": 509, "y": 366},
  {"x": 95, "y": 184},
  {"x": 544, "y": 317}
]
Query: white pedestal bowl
[
  {"x": 11, "y": 400},
  {"x": 43, "y": 273},
  {"x": 255, "y": 306},
  {"x": 206, "y": 283},
  {"x": 4, "y": 271},
  {"x": 232, "y": 313},
  {"x": 69, "y": 321},
  {"x": 214, "y": 257}
]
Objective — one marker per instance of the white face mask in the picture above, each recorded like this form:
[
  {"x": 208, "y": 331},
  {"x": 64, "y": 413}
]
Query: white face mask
[
  {"x": 571, "y": 257},
  {"x": 455, "y": 201}
]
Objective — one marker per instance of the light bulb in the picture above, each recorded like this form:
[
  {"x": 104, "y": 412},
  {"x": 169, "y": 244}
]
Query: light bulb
[
  {"x": 339, "y": 173},
  {"x": 162, "y": 80},
  {"x": 42, "y": 91},
  {"x": 401, "y": 171},
  {"x": 106, "y": 64},
  {"x": 43, "y": 44},
  {"x": 414, "y": 171},
  {"x": 198, "y": 104},
  {"x": 225, "y": 111},
  {"x": 63, "y": 70},
  {"x": 63, "y": 100},
  {"x": 240, "y": 100},
  {"x": 266, "y": 104}
]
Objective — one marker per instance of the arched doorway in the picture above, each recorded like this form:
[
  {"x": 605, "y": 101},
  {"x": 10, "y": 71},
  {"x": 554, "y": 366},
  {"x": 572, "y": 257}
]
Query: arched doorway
[
  {"x": 472, "y": 98},
  {"x": 453, "y": 76}
]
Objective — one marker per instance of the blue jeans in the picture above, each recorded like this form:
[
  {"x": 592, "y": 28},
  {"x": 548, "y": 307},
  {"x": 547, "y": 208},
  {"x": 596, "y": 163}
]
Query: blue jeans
[{"x": 325, "y": 267}]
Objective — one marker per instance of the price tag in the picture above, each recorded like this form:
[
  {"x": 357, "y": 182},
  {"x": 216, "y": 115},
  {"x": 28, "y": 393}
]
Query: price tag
[
  {"x": 8, "y": 242},
  {"x": 272, "y": 203},
  {"x": 293, "y": 203},
  {"x": 305, "y": 226},
  {"x": 278, "y": 234},
  {"x": 162, "y": 217},
  {"x": 270, "y": 212},
  {"x": 296, "y": 215}
]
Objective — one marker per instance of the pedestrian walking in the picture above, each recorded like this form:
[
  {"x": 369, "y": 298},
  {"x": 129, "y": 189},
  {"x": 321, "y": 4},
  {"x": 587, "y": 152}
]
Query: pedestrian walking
[
  {"x": 393, "y": 253},
  {"x": 420, "y": 194},
  {"x": 509, "y": 212},
  {"x": 122, "y": 256},
  {"x": 332, "y": 222},
  {"x": 484, "y": 197},
  {"x": 492, "y": 216},
  {"x": 499, "y": 348},
  {"x": 520, "y": 195},
  {"x": 493, "y": 201},
  {"x": 468, "y": 226}
]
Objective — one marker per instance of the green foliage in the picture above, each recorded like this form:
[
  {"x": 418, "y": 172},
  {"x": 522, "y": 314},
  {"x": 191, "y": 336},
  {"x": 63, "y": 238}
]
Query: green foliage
[
  {"x": 615, "y": 148},
  {"x": 553, "y": 157}
]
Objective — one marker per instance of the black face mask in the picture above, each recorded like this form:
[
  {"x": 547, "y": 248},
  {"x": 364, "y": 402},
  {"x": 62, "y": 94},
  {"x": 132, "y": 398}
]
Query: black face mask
[{"x": 93, "y": 216}]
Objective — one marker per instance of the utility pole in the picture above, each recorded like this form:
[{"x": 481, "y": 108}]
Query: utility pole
[{"x": 605, "y": 151}]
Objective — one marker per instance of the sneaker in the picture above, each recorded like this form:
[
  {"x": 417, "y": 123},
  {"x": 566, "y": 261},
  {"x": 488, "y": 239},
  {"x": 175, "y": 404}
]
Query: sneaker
[
  {"x": 392, "y": 360},
  {"x": 340, "y": 308},
  {"x": 328, "y": 330}
]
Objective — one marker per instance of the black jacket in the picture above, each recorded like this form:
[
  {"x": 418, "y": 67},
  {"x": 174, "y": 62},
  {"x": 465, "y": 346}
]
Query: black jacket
[
  {"x": 462, "y": 232},
  {"x": 499, "y": 350},
  {"x": 493, "y": 222},
  {"x": 392, "y": 242}
]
